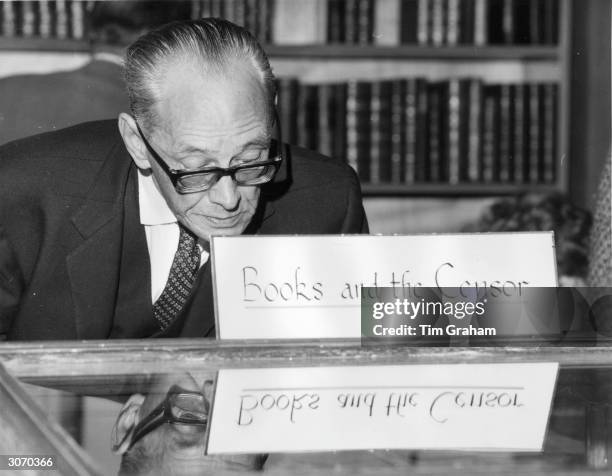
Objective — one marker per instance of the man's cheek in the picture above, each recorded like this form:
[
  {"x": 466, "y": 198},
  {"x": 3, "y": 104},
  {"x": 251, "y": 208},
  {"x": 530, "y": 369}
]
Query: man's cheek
[{"x": 250, "y": 197}]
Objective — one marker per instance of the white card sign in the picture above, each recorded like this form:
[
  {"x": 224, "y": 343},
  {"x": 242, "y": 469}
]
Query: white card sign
[
  {"x": 309, "y": 286},
  {"x": 450, "y": 407}
]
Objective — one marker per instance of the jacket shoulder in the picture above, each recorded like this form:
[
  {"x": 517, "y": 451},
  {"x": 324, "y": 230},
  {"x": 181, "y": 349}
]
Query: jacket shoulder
[
  {"x": 311, "y": 169},
  {"x": 86, "y": 141},
  {"x": 60, "y": 162},
  {"x": 317, "y": 195}
]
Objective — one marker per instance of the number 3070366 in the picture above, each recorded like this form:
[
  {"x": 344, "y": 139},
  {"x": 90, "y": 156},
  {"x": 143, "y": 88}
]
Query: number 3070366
[{"x": 27, "y": 462}]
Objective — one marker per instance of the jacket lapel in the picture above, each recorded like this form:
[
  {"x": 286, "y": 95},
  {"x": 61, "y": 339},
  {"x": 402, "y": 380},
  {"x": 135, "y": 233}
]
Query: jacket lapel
[{"x": 93, "y": 266}]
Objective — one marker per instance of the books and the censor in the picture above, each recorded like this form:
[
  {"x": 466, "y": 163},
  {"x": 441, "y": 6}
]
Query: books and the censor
[{"x": 311, "y": 286}]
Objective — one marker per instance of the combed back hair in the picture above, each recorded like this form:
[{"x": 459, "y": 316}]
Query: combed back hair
[{"x": 212, "y": 43}]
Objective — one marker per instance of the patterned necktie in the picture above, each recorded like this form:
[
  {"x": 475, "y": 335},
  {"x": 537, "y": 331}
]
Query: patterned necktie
[{"x": 180, "y": 280}]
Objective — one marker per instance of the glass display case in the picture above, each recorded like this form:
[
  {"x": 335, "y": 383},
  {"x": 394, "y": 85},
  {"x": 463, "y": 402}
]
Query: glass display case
[{"x": 76, "y": 402}]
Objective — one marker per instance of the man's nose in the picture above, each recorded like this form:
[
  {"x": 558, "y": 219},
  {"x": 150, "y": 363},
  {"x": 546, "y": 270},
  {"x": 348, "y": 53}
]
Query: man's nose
[{"x": 225, "y": 193}]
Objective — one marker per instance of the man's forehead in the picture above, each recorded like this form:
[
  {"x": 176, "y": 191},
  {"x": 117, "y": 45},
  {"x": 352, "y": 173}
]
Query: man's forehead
[{"x": 189, "y": 89}]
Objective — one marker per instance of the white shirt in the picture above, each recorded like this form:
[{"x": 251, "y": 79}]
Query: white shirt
[{"x": 162, "y": 232}]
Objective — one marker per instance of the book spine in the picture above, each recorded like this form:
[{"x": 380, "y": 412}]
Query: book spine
[
  {"x": 535, "y": 10},
  {"x": 287, "y": 106},
  {"x": 521, "y": 133},
  {"x": 375, "y": 133},
  {"x": 351, "y": 24},
  {"x": 409, "y": 18},
  {"x": 549, "y": 132},
  {"x": 339, "y": 120},
  {"x": 8, "y": 18},
  {"x": 28, "y": 19},
  {"x": 363, "y": 129},
  {"x": 389, "y": 22},
  {"x": 467, "y": 22},
  {"x": 422, "y": 131},
  {"x": 240, "y": 12},
  {"x": 464, "y": 128},
  {"x": 505, "y": 133},
  {"x": 534, "y": 133},
  {"x": 453, "y": 131},
  {"x": 266, "y": 20},
  {"x": 397, "y": 130},
  {"x": 251, "y": 8},
  {"x": 481, "y": 22},
  {"x": 352, "y": 143},
  {"x": 550, "y": 15},
  {"x": 434, "y": 158},
  {"x": 335, "y": 24},
  {"x": 443, "y": 134},
  {"x": 453, "y": 23},
  {"x": 307, "y": 116},
  {"x": 312, "y": 27},
  {"x": 424, "y": 22},
  {"x": 490, "y": 152},
  {"x": 196, "y": 9},
  {"x": 61, "y": 19},
  {"x": 508, "y": 21},
  {"x": 216, "y": 8},
  {"x": 77, "y": 17},
  {"x": 475, "y": 131},
  {"x": 522, "y": 11},
  {"x": 324, "y": 123},
  {"x": 365, "y": 21},
  {"x": 438, "y": 22},
  {"x": 230, "y": 10},
  {"x": 44, "y": 19},
  {"x": 384, "y": 131},
  {"x": 411, "y": 127},
  {"x": 495, "y": 21}
]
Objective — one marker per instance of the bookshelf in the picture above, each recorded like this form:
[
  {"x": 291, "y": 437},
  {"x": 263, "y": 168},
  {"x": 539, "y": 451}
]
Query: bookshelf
[{"x": 425, "y": 54}]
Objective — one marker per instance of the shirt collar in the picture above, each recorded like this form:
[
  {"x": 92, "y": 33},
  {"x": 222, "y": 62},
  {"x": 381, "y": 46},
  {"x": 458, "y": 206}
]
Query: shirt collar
[{"x": 153, "y": 207}]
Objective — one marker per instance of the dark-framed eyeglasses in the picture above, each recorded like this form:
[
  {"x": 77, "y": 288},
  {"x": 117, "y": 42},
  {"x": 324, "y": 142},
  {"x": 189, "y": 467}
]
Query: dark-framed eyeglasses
[
  {"x": 180, "y": 407},
  {"x": 192, "y": 181}
]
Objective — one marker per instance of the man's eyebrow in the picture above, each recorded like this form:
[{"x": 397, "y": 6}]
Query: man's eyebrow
[
  {"x": 262, "y": 141},
  {"x": 189, "y": 150}
]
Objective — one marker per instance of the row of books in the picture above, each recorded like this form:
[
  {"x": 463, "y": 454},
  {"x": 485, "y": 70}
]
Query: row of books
[
  {"x": 418, "y": 131},
  {"x": 291, "y": 22},
  {"x": 43, "y": 18},
  {"x": 254, "y": 15},
  {"x": 421, "y": 22},
  {"x": 478, "y": 22}
]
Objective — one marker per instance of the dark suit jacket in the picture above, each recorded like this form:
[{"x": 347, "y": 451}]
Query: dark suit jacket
[
  {"x": 66, "y": 237},
  {"x": 35, "y": 103}
]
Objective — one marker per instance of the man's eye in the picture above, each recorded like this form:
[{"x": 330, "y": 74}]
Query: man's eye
[{"x": 250, "y": 158}]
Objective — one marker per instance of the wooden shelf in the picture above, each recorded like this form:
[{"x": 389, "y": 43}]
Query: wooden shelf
[
  {"x": 484, "y": 53},
  {"x": 448, "y": 190},
  {"x": 43, "y": 44}
]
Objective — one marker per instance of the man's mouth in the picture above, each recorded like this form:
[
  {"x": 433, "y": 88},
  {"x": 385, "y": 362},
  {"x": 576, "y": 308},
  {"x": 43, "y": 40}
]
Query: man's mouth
[{"x": 224, "y": 222}]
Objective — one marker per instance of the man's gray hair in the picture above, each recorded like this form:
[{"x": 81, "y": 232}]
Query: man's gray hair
[{"x": 213, "y": 42}]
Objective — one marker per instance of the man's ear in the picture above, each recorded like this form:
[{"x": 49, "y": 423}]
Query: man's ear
[
  {"x": 133, "y": 142},
  {"x": 128, "y": 418}
]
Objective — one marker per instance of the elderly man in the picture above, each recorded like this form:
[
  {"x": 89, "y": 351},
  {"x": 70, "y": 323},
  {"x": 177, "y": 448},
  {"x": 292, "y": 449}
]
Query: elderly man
[{"x": 105, "y": 234}]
